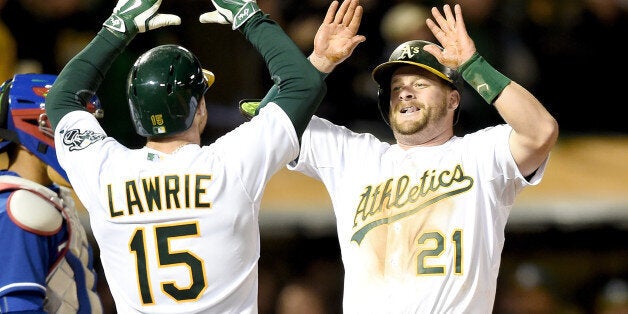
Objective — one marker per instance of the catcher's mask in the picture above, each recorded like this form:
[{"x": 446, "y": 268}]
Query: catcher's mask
[
  {"x": 165, "y": 86},
  {"x": 410, "y": 53},
  {"x": 23, "y": 119}
]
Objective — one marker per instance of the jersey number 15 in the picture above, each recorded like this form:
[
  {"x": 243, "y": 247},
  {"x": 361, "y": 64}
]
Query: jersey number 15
[{"x": 166, "y": 257}]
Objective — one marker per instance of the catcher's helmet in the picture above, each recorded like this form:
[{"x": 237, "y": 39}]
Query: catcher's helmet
[
  {"x": 411, "y": 53},
  {"x": 165, "y": 86},
  {"x": 23, "y": 118}
]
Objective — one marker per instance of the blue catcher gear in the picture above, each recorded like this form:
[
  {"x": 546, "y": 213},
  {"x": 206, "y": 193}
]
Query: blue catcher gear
[{"x": 23, "y": 118}]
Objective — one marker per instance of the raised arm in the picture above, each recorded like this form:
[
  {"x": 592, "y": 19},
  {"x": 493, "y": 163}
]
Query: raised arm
[
  {"x": 80, "y": 78},
  {"x": 299, "y": 88},
  {"x": 535, "y": 131},
  {"x": 335, "y": 41},
  {"x": 337, "y": 38}
]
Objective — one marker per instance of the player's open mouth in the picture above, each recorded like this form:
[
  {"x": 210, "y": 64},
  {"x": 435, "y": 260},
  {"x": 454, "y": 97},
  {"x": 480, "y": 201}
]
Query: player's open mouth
[{"x": 409, "y": 109}]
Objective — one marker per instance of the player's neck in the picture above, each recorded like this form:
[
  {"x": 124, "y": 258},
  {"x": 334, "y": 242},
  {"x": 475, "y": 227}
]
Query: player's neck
[
  {"x": 167, "y": 147},
  {"x": 29, "y": 167},
  {"x": 171, "y": 144},
  {"x": 424, "y": 139}
]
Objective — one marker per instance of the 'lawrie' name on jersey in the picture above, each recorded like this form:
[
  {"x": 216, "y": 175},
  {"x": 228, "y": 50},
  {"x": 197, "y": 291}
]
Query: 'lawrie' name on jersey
[{"x": 146, "y": 195}]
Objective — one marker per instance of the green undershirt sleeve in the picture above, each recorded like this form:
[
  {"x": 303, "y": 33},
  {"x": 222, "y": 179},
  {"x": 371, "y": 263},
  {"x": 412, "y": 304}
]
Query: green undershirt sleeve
[
  {"x": 298, "y": 87},
  {"x": 272, "y": 92},
  {"x": 80, "y": 78}
]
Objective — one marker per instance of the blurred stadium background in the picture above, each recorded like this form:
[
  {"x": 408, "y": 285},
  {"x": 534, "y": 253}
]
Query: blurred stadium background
[{"x": 566, "y": 245}]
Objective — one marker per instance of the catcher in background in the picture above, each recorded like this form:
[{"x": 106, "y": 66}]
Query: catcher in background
[
  {"x": 421, "y": 222},
  {"x": 176, "y": 221},
  {"x": 47, "y": 262}
]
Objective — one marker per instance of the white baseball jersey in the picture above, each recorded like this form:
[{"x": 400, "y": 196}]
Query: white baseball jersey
[
  {"x": 178, "y": 233},
  {"x": 420, "y": 230}
]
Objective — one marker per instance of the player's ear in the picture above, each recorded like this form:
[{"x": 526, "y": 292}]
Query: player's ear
[
  {"x": 201, "y": 108},
  {"x": 453, "y": 99}
]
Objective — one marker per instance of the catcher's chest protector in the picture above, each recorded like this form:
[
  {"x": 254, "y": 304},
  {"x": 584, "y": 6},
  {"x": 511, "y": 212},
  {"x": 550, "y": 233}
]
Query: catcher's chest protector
[{"x": 40, "y": 210}]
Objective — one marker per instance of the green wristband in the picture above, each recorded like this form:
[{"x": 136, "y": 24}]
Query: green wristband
[{"x": 487, "y": 81}]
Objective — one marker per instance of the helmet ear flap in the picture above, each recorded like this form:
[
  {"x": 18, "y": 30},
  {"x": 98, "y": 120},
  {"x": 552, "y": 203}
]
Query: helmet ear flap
[
  {"x": 383, "y": 102},
  {"x": 7, "y": 137}
]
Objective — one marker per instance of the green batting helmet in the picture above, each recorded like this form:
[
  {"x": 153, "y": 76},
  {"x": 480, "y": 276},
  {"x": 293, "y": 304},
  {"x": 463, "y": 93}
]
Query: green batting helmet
[
  {"x": 165, "y": 86},
  {"x": 411, "y": 53}
]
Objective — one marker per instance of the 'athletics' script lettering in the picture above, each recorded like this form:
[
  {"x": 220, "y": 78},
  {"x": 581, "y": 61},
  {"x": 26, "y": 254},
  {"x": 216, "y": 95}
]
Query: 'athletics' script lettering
[{"x": 431, "y": 188}]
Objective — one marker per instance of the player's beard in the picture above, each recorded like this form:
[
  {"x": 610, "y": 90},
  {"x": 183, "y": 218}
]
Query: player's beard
[{"x": 429, "y": 115}]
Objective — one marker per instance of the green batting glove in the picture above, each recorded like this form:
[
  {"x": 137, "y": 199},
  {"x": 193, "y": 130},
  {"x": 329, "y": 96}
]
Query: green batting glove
[
  {"x": 137, "y": 16},
  {"x": 234, "y": 12},
  {"x": 248, "y": 107}
]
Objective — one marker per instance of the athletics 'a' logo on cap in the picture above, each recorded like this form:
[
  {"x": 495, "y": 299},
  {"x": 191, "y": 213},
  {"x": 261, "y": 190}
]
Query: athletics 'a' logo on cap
[{"x": 408, "y": 52}]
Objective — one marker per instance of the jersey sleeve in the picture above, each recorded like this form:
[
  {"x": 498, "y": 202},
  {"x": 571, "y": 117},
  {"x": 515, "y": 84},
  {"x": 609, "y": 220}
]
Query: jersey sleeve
[
  {"x": 259, "y": 148},
  {"x": 327, "y": 147},
  {"x": 82, "y": 148},
  {"x": 491, "y": 150}
]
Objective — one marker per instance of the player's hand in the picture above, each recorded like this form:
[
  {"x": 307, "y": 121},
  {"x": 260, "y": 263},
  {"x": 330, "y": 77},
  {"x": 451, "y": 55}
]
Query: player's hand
[
  {"x": 451, "y": 32},
  {"x": 337, "y": 37},
  {"x": 248, "y": 107},
  {"x": 234, "y": 12},
  {"x": 137, "y": 16}
]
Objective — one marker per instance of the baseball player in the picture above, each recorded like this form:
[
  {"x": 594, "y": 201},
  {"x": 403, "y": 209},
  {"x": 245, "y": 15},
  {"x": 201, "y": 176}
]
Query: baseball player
[
  {"x": 421, "y": 222},
  {"x": 47, "y": 263},
  {"x": 177, "y": 222}
]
